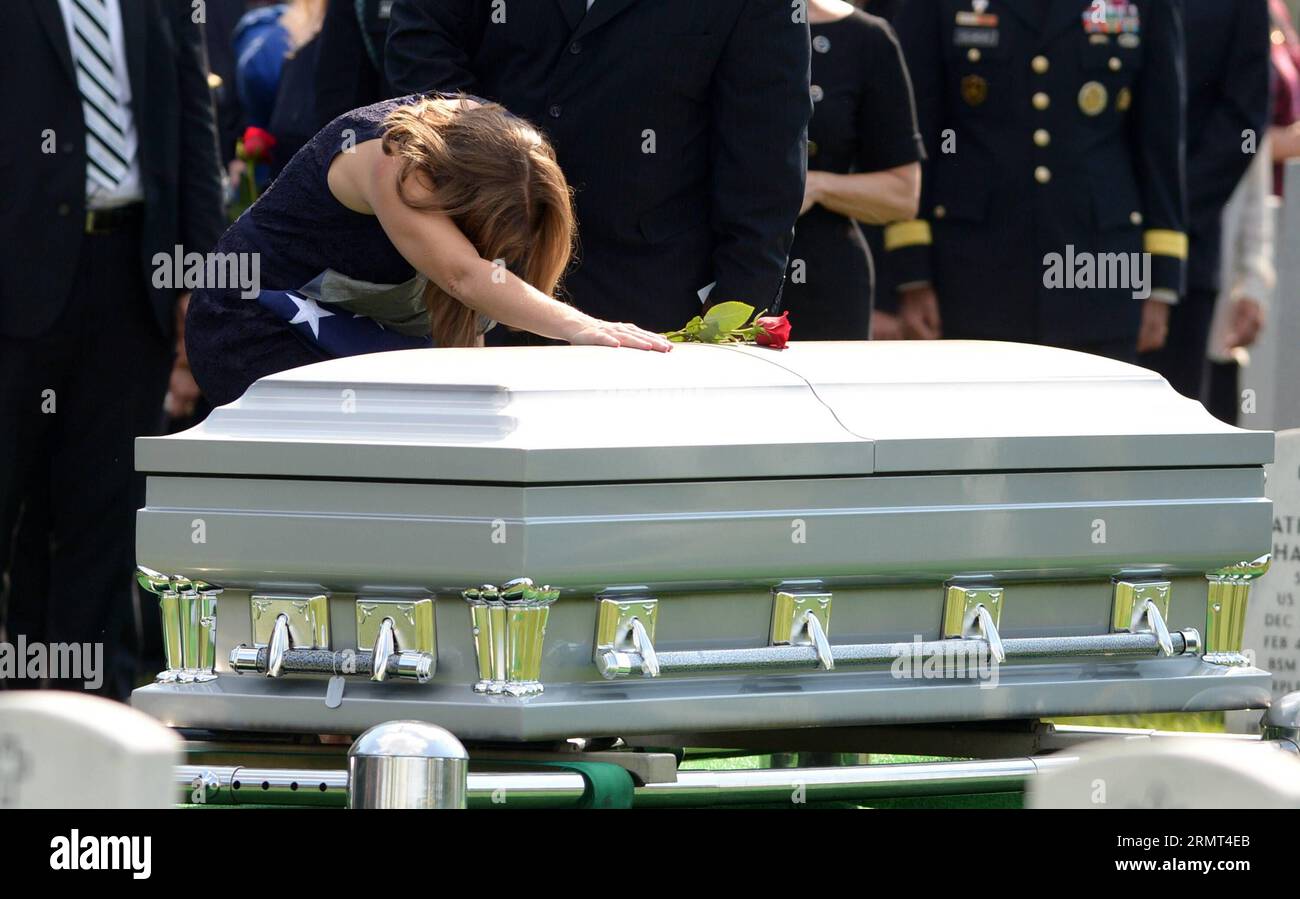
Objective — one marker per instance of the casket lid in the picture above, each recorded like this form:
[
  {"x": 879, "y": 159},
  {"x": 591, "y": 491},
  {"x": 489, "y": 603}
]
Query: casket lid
[{"x": 588, "y": 414}]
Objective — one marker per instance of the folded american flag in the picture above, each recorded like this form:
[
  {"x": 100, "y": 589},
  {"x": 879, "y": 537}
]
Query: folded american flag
[{"x": 334, "y": 329}]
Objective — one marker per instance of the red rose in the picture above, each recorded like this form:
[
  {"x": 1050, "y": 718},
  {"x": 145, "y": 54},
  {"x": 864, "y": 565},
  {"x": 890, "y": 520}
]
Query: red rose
[
  {"x": 257, "y": 145},
  {"x": 773, "y": 331}
]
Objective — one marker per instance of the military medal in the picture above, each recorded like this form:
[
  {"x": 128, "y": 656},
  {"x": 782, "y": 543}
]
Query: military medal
[
  {"x": 977, "y": 16},
  {"x": 1113, "y": 17},
  {"x": 974, "y": 90},
  {"x": 1092, "y": 98}
]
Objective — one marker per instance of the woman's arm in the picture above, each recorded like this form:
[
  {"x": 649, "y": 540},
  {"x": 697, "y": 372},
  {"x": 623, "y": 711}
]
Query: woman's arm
[
  {"x": 436, "y": 247},
  {"x": 877, "y": 198}
]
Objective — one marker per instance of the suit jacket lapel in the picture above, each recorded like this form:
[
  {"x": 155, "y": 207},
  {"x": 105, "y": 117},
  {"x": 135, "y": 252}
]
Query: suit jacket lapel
[
  {"x": 574, "y": 12},
  {"x": 48, "y": 12},
  {"x": 602, "y": 12},
  {"x": 1029, "y": 10}
]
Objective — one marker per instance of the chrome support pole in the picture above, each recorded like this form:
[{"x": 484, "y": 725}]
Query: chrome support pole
[
  {"x": 407, "y": 764},
  {"x": 236, "y": 785}
]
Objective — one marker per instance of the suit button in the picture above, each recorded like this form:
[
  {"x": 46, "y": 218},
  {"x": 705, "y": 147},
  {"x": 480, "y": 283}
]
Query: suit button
[
  {"x": 1135, "y": 218},
  {"x": 973, "y": 54},
  {"x": 1040, "y": 65},
  {"x": 575, "y": 48},
  {"x": 556, "y": 111},
  {"x": 65, "y": 210},
  {"x": 940, "y": 211},
  {"x": 1042, "y": 137},
  {"x": 1042, "y": 174},
  {"x": 1042, "y": 101},
  {"x": 1115, "y": 64}
]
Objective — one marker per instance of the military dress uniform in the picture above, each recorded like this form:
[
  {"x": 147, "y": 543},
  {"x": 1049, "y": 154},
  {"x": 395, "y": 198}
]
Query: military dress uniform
[{"x": 1051, "y": 127}]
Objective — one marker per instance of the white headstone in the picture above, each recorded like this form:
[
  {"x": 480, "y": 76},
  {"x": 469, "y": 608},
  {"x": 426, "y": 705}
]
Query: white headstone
[
  {"x": 1178, "y": 772},
  {"x": 1273, "y": 616},
  {"x": 70, "y": 750}
]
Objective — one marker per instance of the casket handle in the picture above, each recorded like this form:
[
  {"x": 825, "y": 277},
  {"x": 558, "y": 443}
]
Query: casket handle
[
  {"x": 385, "y": 646},
  {"x": 1156, "y": 623},
  {"x": 986, "y": 628},
  {"x": 821, "y": 644},
  {"x": 644, "y": 646},
  {"x": 278, "y": 647}
]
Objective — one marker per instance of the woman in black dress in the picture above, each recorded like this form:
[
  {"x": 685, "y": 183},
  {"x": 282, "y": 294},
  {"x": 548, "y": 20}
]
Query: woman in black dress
[{"x": 864, "y": 152}]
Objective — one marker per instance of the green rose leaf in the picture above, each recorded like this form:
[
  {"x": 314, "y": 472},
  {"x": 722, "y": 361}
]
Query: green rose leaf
[{"x": 729, "y": 316}]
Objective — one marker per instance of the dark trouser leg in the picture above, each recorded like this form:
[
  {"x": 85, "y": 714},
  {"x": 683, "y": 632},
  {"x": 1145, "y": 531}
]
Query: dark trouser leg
[
  {"x": 30, "y": 387},
  {"x": 1182, "y": 361},
  {"x": 108, "y": 364},
  {"x": 29, "y": 574}
]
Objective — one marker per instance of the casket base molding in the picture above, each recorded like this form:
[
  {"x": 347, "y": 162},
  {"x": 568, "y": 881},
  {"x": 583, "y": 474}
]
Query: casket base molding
[{"x": 815, "y": 699}]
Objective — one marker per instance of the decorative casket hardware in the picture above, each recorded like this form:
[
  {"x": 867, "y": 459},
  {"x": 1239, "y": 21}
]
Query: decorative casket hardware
[
  {"x": 803, "y": 619},
  {"x": 799, "y": 637},
  {"x": 509, "y": 630},
  {"x": 1142, "y": 607},
  {"x": 292, "y": 636},
  {"x": 1225, "y": 613},
  {"x": 188, "y": 609},
  {"x": 973, "y": 613},
  {"x": 402, "y": 637}
]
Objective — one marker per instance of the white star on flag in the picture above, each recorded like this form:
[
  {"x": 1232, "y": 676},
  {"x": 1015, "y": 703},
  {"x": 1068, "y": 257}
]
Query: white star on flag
[{"x": 309, "y": 312}]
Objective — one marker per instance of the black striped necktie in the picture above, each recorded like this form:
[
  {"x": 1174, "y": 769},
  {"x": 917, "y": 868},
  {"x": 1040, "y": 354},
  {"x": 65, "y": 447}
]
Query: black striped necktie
[{"x": 108, "y": 153}]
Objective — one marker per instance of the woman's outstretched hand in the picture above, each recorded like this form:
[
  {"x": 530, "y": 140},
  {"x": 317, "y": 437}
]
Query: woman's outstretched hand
[{"x": 619, "y": 334}]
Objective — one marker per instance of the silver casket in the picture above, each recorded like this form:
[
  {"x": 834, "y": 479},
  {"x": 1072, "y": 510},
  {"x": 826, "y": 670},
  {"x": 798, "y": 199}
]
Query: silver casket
[{"x": 540, "y": 543}]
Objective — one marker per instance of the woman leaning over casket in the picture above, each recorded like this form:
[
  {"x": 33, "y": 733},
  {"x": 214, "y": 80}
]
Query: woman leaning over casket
[{"x": 407, "y": 220}]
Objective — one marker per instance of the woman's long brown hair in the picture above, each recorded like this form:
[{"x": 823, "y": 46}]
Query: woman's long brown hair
[{"x": 496, "y": 177}]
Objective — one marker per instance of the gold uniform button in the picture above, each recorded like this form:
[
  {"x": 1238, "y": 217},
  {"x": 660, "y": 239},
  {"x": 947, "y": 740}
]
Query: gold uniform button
[
  {"x": 1115, "y": 64},
  {"x": 1042, "y": 101},
  {"x": 1135, "y": 218},
  {"x": 940, "y": 211},
  {"x": 1040, "y": 65},
  {"x": 1042, "y": 174},
  {"x": 973, "y": 54},
  {"x": 1042, "y": 137}
]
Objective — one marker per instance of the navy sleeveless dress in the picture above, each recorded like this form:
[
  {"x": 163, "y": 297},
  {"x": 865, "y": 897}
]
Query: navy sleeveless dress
[{"x": 312, "y": 251}]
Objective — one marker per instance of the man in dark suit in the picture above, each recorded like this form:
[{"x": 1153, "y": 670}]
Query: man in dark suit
[
  {"x": 1227, "y": 116},
  {"x": 1055, "y": 143},
  {"x": 681, "y": 126},
  {"x": 351, "y": 74},
  {"x": 109, "y": 157}
]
